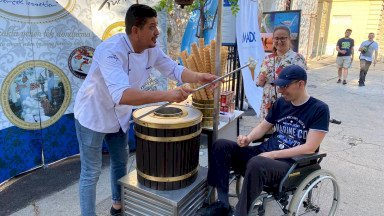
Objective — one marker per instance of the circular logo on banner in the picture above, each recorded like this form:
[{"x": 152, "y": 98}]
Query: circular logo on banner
[
  {"x": 80, "y": 60},
  {"x": 36, "y": 10},
  {"x": 35, "y": 95},
  {"x": 117, "y": 27}
]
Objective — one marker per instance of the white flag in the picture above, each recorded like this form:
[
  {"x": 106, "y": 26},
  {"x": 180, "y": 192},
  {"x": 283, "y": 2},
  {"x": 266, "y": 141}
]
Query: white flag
[{"x": 250, "y": 46}]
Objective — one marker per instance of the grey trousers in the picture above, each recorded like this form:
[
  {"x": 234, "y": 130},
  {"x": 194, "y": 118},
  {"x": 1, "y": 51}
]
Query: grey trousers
[{"x": 364, "y": 66}]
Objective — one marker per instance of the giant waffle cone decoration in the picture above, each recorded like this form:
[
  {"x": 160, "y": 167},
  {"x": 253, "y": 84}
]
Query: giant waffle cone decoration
[
  {"x": 192, "y": 65},
  {"x": 207, "y": 59},
  {"x": 223, "y": 60},
  {"x": 213, "y": 56},
  {"x": 184, "y": 59},
  {"x": 203, "y": 59},
  {"x": 202, "y": 54},
  {"x": 198, "y": 59}
]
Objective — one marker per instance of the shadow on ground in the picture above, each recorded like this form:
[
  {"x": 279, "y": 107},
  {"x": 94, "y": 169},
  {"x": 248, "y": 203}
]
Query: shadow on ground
[{"x": 27, "y": 188}]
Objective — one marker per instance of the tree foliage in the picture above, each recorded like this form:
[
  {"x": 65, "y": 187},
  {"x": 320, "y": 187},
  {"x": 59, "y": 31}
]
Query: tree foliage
[{"x": 168, "y": 5}]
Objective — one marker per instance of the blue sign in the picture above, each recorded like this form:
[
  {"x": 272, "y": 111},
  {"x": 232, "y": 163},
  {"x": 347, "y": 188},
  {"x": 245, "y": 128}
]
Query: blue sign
[{"x": 270, "y": 20}]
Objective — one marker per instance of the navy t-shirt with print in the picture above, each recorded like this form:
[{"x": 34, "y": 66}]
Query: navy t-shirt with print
[
  {"x": 345, "y": 44},
  {"x": 293, "y": 122}
]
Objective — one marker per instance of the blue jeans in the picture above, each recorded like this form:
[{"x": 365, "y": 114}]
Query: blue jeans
[{"x": 90, "y": 145}]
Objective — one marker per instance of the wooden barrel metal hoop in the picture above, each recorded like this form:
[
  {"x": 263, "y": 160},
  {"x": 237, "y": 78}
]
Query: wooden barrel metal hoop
[{"x": 168, "y": 142}]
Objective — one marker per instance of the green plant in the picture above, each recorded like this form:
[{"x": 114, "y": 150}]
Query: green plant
[
  {"x": 168, "y": 5},
  {"x": 164, "y": 5},
  {"x": 234, "y": 6}
]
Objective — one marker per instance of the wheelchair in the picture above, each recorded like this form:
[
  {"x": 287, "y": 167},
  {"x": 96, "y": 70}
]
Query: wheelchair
[{"x": 306, "y": 189}]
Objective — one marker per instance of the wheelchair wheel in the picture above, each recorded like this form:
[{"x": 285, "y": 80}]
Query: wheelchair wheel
[{"x": 317, "y": 194}]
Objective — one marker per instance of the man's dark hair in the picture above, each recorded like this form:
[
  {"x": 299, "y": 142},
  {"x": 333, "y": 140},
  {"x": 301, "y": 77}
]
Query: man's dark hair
[
  {"x": 137, "y": 16},
  {"x": 349, "y": 30}
]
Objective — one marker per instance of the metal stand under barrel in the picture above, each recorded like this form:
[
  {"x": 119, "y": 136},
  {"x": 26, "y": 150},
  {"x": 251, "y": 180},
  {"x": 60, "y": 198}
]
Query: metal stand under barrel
[
  {"x": 140, "y": 200},
  {"x": 168, "y": 179}
]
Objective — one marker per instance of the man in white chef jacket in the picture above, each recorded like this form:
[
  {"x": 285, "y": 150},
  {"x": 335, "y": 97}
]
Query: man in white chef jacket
[{"x": 103, "y": 106}]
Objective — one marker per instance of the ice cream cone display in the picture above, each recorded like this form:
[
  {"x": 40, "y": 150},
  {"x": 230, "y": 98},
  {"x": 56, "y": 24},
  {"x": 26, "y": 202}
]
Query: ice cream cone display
[
  {"x": 202, "y": 59},
  {"x": 191, "y": 64},
  {"x": 201, "y": 51},
  {"x": 207, "y": 59},
  {"x": 200, "y": 68},
  {"x": 223, "y": 60},
  {"x": 207, "y": 62},
  {"x": 198, "y": 59},
  {"x": 213, "y": 56},
  {"x": 201, "y": 42},
  {"x": 184, "y": 57}
]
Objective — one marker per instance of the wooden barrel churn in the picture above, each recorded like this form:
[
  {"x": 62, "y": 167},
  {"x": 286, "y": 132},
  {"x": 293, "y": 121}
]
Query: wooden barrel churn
[
  {"x": 168, "y": 142},
  {"x": 207, "y": 108}
]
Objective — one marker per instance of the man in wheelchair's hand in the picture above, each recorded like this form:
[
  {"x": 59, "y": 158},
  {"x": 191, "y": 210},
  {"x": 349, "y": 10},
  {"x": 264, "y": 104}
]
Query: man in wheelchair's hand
[{"x": 243, "y": 141}]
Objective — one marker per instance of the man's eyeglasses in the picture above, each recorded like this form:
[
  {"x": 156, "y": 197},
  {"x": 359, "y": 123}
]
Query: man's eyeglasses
[{"x": 282, "y": 39}]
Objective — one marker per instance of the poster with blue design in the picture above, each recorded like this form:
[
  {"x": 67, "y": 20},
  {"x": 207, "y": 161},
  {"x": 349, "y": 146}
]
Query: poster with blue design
[
  {"x": 46, "y": 49},
  {"x": 270, "y": 20}
]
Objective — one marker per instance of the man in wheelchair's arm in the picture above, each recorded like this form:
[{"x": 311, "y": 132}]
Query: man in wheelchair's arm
[{"x": 301, "y": 123}]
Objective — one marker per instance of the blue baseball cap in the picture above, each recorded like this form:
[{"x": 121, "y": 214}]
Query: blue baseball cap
[{"x": 290, "y": 74}]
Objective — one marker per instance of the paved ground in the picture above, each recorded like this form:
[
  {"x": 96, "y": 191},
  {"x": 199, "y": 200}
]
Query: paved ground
[{"x": 354, "y": 148}]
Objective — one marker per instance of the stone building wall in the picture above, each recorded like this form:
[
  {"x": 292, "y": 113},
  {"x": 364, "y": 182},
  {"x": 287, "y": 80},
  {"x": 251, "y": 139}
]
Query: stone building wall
[
  {"x": 308, "y": 20},
  {"x": 307, "y": 24},
  {"x": 380, "y": 34},
  {"x": 177, "y": 20},
  {"x": 273, "y": 5}
]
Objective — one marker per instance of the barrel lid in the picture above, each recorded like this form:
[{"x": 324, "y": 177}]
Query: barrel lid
[{"x": 170, "y": 117}]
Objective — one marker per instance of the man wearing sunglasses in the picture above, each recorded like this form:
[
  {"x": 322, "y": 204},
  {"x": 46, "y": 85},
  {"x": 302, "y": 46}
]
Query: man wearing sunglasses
[{"x": 301, "y": 123}]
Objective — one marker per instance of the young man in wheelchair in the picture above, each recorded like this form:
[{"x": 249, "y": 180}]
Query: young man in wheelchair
[{"x": 301, "y": 123}]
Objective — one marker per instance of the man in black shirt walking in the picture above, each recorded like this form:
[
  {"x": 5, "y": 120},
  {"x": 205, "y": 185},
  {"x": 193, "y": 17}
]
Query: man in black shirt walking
[{"x": 344, "y": 58}]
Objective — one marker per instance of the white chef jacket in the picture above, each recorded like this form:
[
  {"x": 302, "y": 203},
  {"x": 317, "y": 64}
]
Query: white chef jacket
[{"x": 115, "y": 68}]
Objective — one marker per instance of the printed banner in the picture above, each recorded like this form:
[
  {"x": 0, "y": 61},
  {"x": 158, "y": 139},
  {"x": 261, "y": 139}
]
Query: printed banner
[
  {"x": 250, "y": 46},
  {"x": 270, "y": 20},
  {"x": 46, "y": 49}
]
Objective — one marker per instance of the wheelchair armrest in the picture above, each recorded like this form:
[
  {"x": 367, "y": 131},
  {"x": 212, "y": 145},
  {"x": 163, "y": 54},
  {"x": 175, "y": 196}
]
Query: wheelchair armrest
[
  {"x": 301, "y": 163},
  {"x": 307, "y": 158}
]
